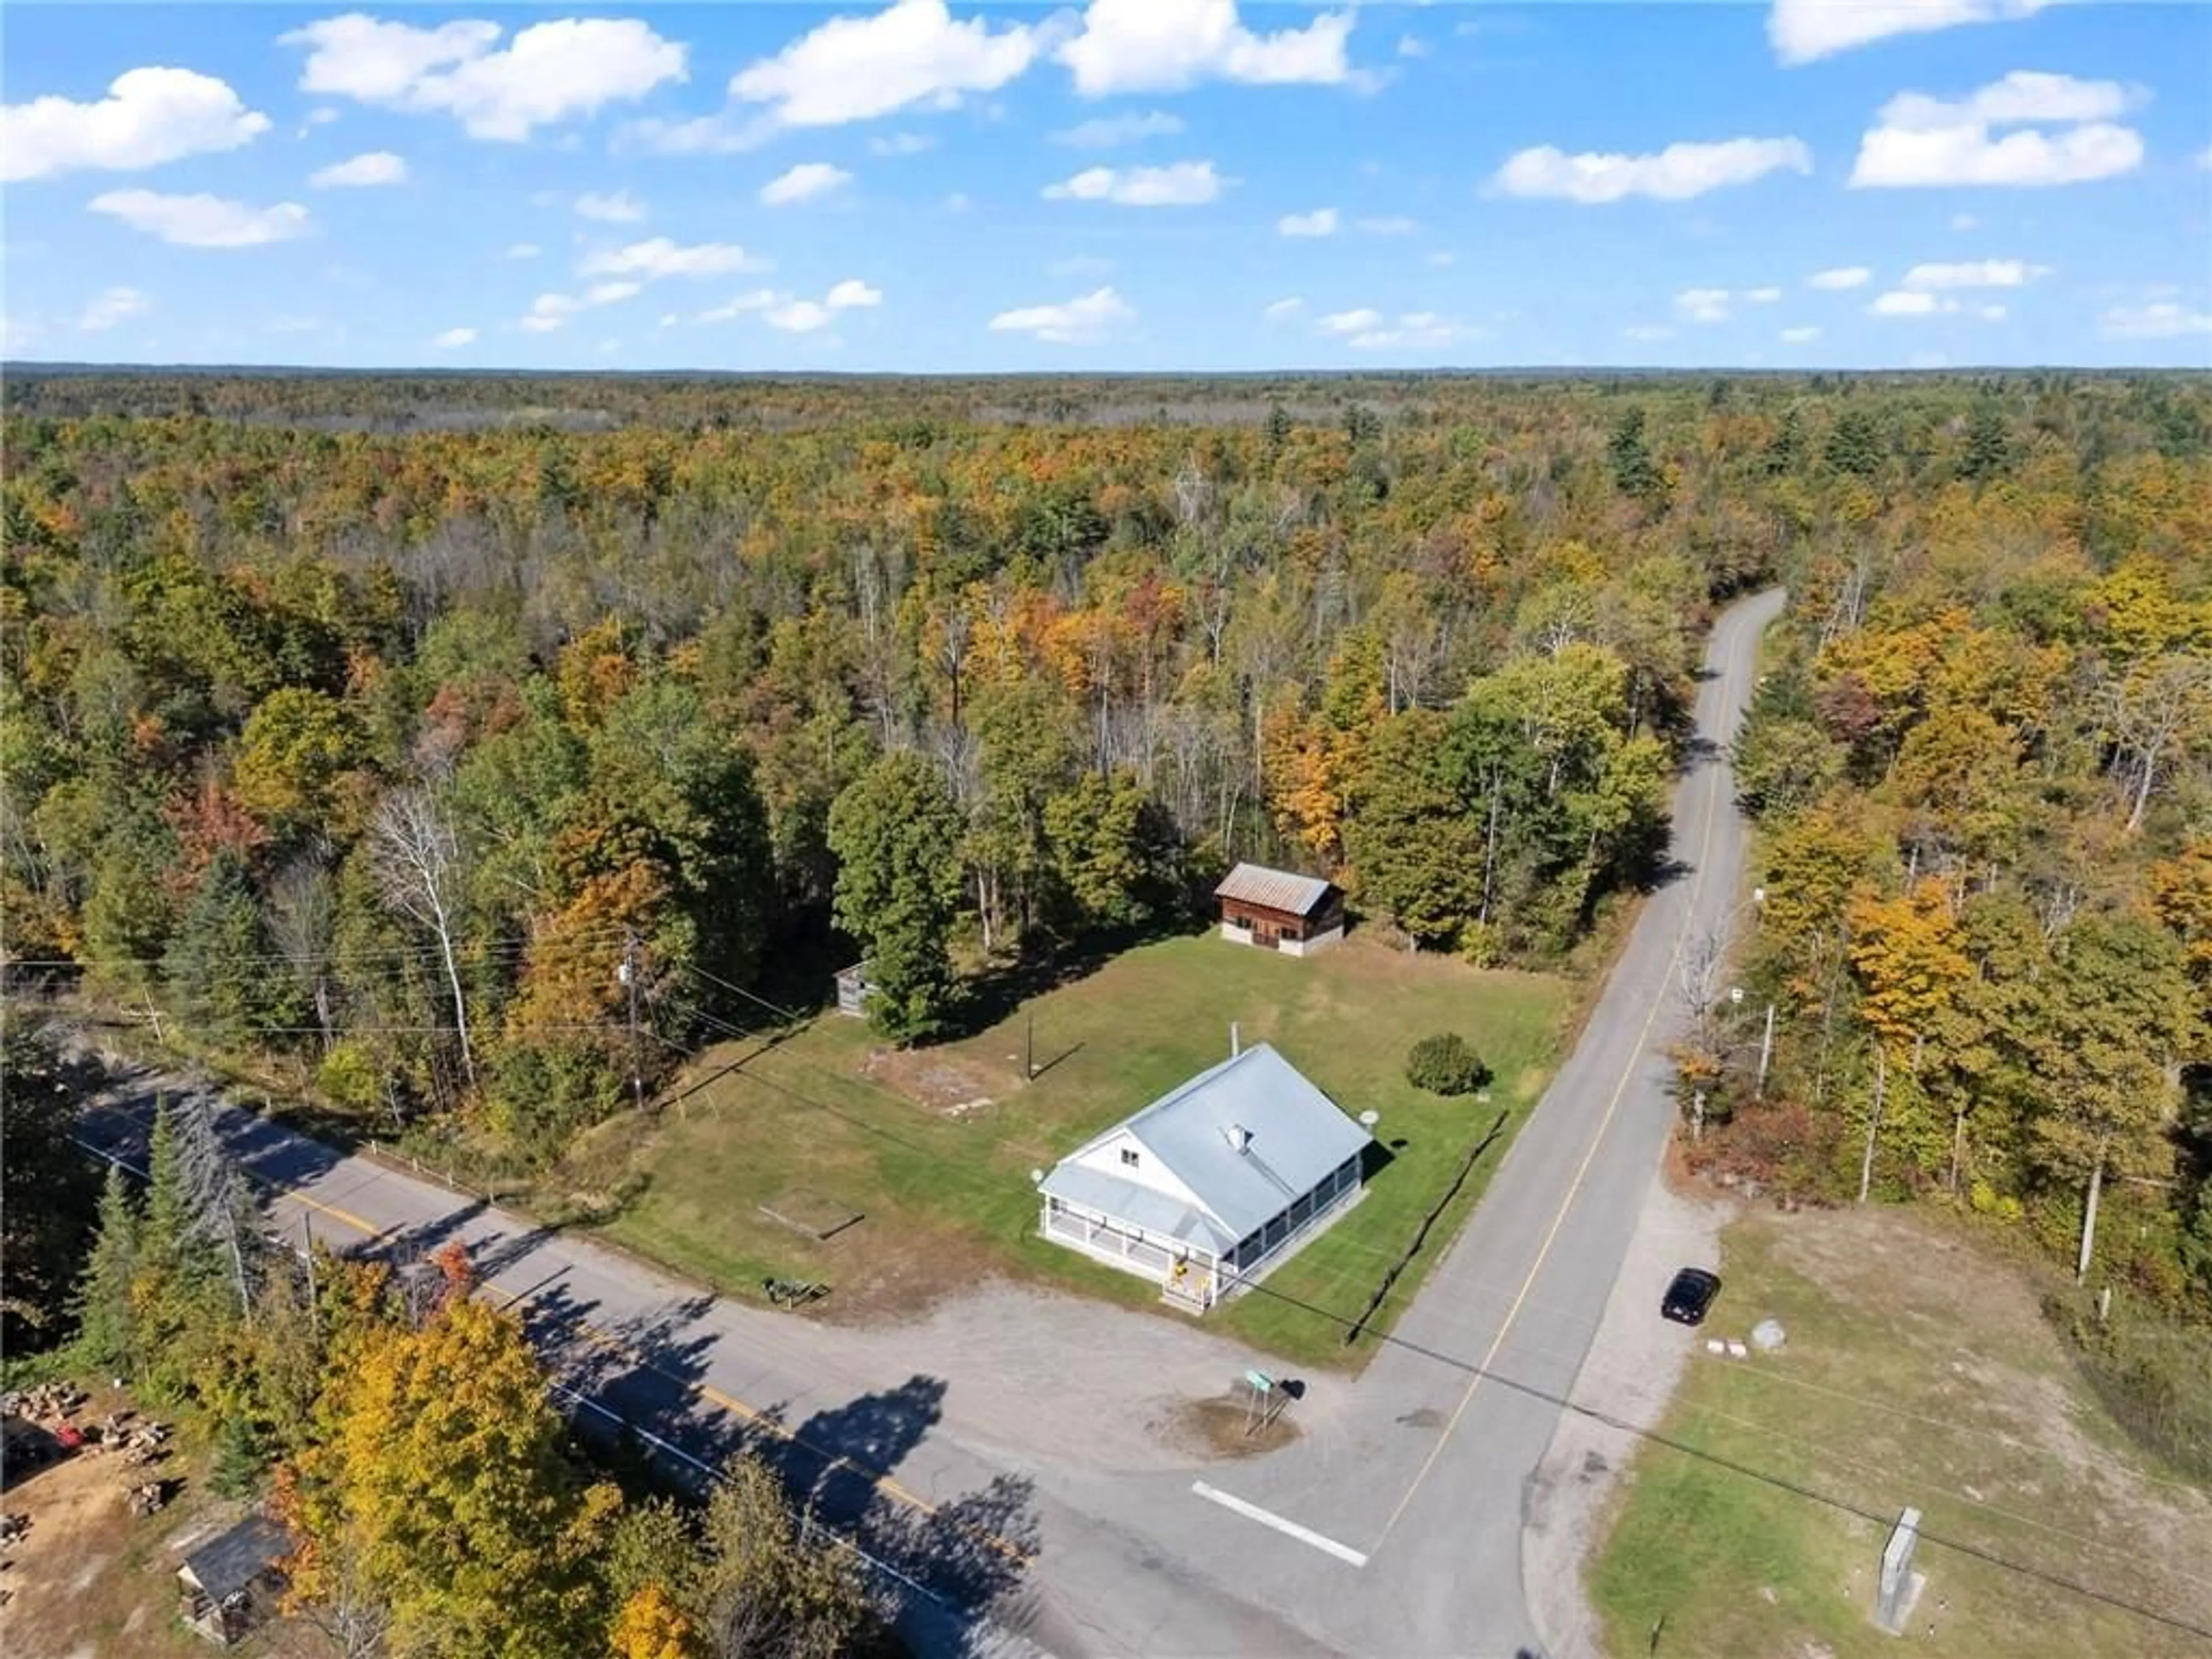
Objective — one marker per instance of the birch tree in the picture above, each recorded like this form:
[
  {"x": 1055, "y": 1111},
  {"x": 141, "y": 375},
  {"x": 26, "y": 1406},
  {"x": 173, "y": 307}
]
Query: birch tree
[{"x": 416, "y": 859}]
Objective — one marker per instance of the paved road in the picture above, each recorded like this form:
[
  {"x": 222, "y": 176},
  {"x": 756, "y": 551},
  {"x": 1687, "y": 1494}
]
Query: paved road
[{"x": 1001, "y": 1453}]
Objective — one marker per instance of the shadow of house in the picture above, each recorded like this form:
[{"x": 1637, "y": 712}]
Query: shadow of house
[{"x": 232, "y": 1581}]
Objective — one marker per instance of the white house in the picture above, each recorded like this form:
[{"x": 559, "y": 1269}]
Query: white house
[{"x": 1211, "y": 1184}]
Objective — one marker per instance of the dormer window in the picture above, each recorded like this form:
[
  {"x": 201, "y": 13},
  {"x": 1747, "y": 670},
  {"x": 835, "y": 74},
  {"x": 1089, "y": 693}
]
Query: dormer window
[{"x": 1129, "y": 1157}]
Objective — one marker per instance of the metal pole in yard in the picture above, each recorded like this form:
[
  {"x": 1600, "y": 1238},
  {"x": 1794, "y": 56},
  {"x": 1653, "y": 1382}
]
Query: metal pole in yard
[
  {"x": 1029, "y": 1051},
  {"x": 1765, "y": 1054},
  {"x": 628, "y": 976}
]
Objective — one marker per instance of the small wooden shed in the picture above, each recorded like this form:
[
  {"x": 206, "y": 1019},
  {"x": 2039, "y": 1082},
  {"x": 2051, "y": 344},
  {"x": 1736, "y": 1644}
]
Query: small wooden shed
[
  {"x": 232, "y": 1580},
  {"x": 853, "y": 990},
  {"x": 1280, "y": 910}
]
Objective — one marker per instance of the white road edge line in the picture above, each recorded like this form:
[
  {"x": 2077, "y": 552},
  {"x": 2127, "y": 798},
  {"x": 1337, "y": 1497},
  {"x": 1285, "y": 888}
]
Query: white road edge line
[{"x": 1288, "y": 1528}]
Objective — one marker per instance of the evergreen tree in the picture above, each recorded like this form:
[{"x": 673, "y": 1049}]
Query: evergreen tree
[
  {"x": 219, "y": 963},
  {"x": 1786, "y": 449},
  {"x": 896, "y": 835},
  {"x": 46, "y": 1184},
  {"x": 1988, "y": 452},
  {"x": 1855, "y": 444},
  {"x": 1634, "y": 472},
  {"x": 107, "y": 1324}
]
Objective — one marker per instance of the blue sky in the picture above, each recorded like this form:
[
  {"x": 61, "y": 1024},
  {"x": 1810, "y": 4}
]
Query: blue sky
[{"x": 1129, "y": 184}]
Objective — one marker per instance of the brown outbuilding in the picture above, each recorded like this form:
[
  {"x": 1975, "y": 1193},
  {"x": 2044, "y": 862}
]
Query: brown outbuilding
[{"x": 1280, "y": 910}]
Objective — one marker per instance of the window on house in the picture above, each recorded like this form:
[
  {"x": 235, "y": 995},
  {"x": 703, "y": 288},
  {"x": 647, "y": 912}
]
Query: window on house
[{"x": 1129, "y": 1156}]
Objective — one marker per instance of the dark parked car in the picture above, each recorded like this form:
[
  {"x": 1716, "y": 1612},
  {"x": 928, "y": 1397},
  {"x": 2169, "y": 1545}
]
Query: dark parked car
[{"x": 1690, "y": 1295}]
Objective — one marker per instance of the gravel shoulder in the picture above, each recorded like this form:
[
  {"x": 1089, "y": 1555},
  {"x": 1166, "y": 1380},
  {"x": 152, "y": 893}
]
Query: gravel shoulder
[{"x": 1627, "y": 1379}]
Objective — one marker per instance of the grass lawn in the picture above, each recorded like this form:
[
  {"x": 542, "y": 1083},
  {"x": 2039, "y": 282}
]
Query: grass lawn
[
  {"x": 936, "y": 1146},
  {"x": 1918, "y": 1370}
]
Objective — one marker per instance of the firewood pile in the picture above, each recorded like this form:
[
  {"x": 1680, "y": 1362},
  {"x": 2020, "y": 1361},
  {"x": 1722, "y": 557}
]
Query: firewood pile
[
  {"x": 48, "y": 1402},
  {"x": 12, "y": 1528},
  {"x": 137, "y": 1443},
  {"x": 146, "y": 1497}
]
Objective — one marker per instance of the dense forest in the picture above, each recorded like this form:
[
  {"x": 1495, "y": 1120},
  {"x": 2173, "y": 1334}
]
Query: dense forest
[{"x": 403, "y": 730}]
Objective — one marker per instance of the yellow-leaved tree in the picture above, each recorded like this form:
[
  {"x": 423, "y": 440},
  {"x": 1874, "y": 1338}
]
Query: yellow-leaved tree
[{"x": 441, "y": 1503}]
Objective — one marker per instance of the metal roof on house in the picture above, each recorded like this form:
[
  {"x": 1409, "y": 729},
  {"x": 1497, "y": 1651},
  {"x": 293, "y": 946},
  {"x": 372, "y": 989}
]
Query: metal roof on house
[
  {"x": 227, "y": 1564},
  {"x": 1272, "y": 890},
  {"x": 1292, "y": 1136}
]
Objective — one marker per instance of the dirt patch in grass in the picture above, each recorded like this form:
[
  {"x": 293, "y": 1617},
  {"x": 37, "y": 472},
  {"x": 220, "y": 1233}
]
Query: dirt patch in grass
[
  {"x": 948, "y": 1085},
  {"x": 1222, "y": 1427},
  {"x": 1918, "y": 1370}
]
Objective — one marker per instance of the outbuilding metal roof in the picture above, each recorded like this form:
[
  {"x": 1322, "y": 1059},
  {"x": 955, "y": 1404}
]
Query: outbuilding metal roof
[
  {"x": 231, "y": 1563},
  {"x": 1272, "y": 890},
  {"x": 1247, "y": 1136}
]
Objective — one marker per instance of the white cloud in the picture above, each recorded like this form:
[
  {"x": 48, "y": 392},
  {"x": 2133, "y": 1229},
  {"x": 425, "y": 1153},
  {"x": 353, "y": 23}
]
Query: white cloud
[
  {"x": 1108, "y": 131},
  {"x": 1965, "y": 222},
  {"x": 1900, "y": 302},
  {"x": 761, "y": 299},
  {"x": 548, "y": 72},
  {"x": 453, "y": 339},
  {"x": 1389, "y": 225},
  {"x": 1703, "y": 305},
  {"x": 1413, "y": 330},
  {"x": 1184, "y": 183},
  {"x": 803, "y": 183},
  {"x": 523, "y": 250},
  {"x": 1321, "y": 221},
  {"x": 1978, "y": 273},
  {"x": 1760, "y": 296},
  {"x": 606, "y": 293},
  {"x": 1164, "y": 45},
  {"x": 114, "y": 305},
  {"x": 549, "y": 312},
  {"x": 203, "y": 221},
  {"x": 321, "y": 116},
  {"x": 901, "y": 143},
  {"x": 1648, "y": 332},
  {"x": 1283, "y": 309},
  {"x": 148, "y": 116},
  {"x": 2066, "y": 135},
  {"x": 853, "y": 294},
  {"x": 1083, "y": 321},
  {"x": 912, "y": 54},
  {"x": 1412, "y": 47},
  {"x": 1363, "y": 321},
  {"x": 957, "y": 201},
  {"x": 1992, "y": 313},
  {"x": 378, "y": 167},
  {"x": 1798, "y": 336},
  {"x": 16, "y": 333},
  {"x": 801, "y": 317},
  {"x": 1441, "y": 258},
  {"x": 2166, "y": 319},
  {"x": 659, "y": 256},
  {"x": 1802, "y": 30},
  {"x": 1841, "y": 278},
  {"x": 1080, "y": 265},
  {"x": 610, "y": 207},
  {"x": 1674, "y": 175}
]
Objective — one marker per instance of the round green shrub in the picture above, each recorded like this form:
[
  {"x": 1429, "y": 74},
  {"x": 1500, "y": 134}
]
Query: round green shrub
[{"x": 1444, "y": 1065}]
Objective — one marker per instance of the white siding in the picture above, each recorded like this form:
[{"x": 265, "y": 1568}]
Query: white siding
[{"x": 1148, "y": 1171}]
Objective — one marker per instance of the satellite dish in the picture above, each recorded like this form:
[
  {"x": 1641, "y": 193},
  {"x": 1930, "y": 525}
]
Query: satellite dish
[
  {"x": 1036, "y": 1177},
  {"x": 1370, "y": 1118}
]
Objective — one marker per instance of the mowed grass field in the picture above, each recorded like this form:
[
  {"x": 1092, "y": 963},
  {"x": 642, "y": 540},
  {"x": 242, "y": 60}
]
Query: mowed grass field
[
  {"x": 1919, "y": 1370},
  {"x": 935, "y": 1147}
]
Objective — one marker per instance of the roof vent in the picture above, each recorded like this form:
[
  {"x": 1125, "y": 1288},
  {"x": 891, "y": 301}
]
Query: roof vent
[{"x": 1239, "y": 1138}]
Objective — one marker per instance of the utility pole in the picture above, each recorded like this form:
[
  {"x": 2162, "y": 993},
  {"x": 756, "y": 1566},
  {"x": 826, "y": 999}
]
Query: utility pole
[
  {"x": 1028, "y": 1050},
  {"x": 627, "y": 973},
  {"x": 1765, "y": 1054}
]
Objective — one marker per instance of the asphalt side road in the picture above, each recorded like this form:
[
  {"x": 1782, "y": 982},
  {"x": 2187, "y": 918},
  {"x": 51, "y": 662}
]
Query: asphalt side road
[{"x": 995, "y": 1462}]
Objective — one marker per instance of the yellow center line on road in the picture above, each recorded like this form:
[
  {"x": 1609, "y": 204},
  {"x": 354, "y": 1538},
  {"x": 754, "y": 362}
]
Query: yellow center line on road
[
  {"x": 1635, "y": 1060},
  {"x": 728, "y": 1402}
]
